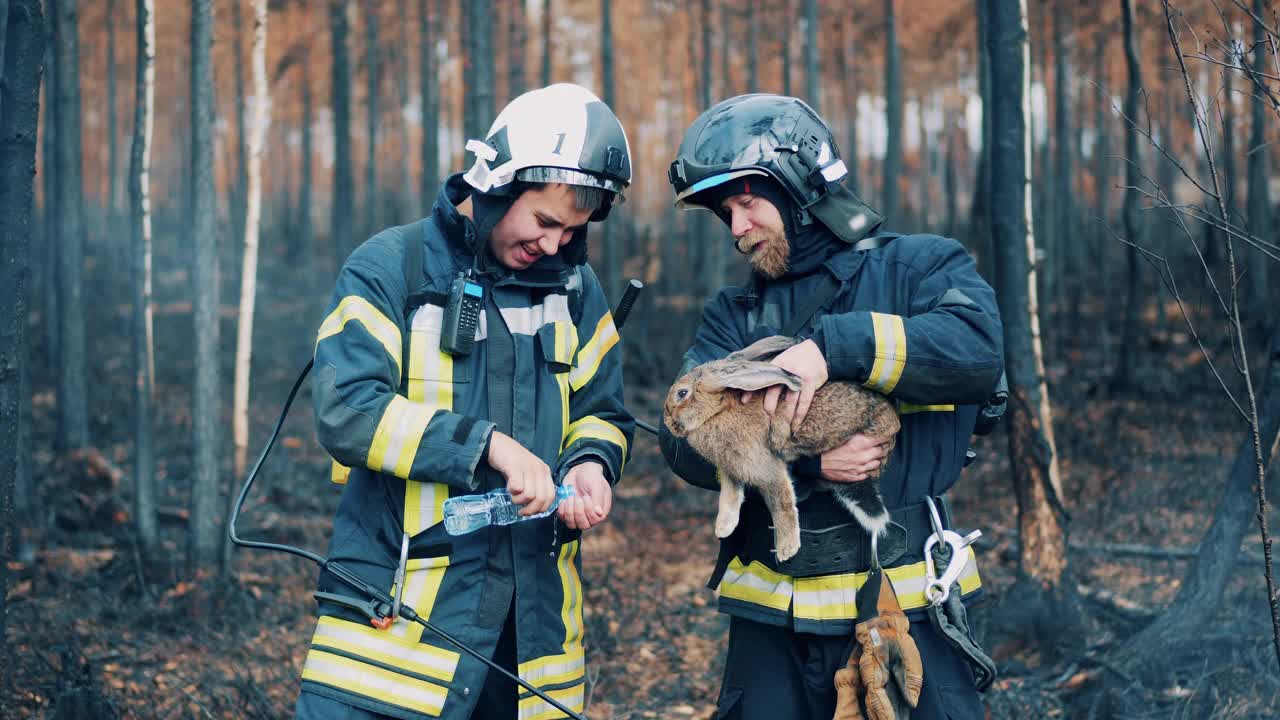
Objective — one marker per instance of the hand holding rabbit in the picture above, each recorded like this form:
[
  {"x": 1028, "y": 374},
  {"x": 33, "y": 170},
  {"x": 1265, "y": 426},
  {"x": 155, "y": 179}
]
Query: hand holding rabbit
[{"x": 750, "y": 447}]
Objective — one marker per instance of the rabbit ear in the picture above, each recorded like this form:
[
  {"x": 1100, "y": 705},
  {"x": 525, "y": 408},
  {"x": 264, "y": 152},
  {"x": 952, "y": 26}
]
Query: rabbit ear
[
  {"x": 749, "y": 376},
  {"x": 765, "y": 349}
]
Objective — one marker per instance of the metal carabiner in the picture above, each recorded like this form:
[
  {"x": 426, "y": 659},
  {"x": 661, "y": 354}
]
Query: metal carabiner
[{"x": 938, "y": 589}]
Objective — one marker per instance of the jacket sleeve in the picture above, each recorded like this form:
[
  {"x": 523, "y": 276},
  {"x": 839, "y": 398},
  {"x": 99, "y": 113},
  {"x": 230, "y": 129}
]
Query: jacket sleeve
[
  {"x": 716, "y": 337},
  {"x": 360, "y": 418},
  {"x": 947, "y": 349},
  {"x": 600, "y": 427}
]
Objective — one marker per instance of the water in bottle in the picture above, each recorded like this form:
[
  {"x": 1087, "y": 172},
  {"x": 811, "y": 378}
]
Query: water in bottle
[{"x": 469, "y": 513}]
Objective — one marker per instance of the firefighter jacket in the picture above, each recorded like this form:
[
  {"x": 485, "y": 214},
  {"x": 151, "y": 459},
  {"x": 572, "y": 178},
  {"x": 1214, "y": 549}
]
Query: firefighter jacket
[
  {"x": 413, "y": 422},
  {"x": 912, "y": 319}
]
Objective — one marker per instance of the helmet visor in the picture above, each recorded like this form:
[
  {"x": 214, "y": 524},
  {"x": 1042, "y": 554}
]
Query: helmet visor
[{"x": 567, "y": 176}]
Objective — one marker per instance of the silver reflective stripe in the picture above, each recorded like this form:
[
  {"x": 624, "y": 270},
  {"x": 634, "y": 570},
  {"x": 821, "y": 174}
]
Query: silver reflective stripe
[
  {"x": 837, "y": 597},
  {"x": 534, "y": 707},
  {"x": 527, "y": 321},
  {"x": 430, "y": 319},
  {"x": 571, "y": 668}
]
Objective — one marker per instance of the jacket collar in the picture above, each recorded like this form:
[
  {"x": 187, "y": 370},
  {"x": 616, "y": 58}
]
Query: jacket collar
[{"x": 460, "y": 235}]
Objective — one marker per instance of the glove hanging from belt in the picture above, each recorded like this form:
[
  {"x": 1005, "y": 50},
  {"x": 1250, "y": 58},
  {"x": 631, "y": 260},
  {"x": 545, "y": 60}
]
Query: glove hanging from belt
[{"x": 884, "y": 674}]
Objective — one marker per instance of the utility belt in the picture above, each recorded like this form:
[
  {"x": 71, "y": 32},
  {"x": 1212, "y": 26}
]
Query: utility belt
[{"x": 839, "y": 547}]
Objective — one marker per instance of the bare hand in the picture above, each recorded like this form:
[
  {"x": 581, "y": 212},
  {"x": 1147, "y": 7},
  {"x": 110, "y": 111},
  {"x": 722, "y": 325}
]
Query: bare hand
[
  {"x": 806, "y": 361},
  {"x": 856, "y": 459},
  {"x": 592, "y": 497},
  {"x": 528, "y": 478}
]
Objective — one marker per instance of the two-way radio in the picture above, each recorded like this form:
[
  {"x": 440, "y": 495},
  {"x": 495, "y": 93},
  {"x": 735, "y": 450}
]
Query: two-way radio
[{"x": 461, "y": 315}]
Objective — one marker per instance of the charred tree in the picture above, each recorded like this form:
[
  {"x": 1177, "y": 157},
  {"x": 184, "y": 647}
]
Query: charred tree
[
  {"x": 753, "y": 51},
  {"x": 306, "y": 232},
  {"x": 812, "y": 72},
  {"x": 787, "y": 30},
  {"x": 249, "y": 268},
  {"x": 610, "y": 265},
  {"x": 206, "y": 415},
  {"x": 979, "y": 230},
  {"x": 893, "y": 117},
  {"x": 373, "y": 75},
  {"x": 404, "y": 191},
  {"x": 144, "y": 367},
  {"x": 478, "y": 72},
  {"x": 516, "y": 42},
  {"x": 341, "y": 226},
  {"x": 1043, "y": 599},
  {"x": 21, "y": 55},
  {"x": 49, "y": 191},
  {"x": 113, "y": 139},
  {"x": 1063, "y": 205},
  {"x": 546, "y": 43},
  {"x": 850, "y": 80},
  {"x": 237, "y": 71},
  {"x": 1259, "y": 201},
  {"x": 73, "y": 412},
  {"x": 1123, "y": 377},
  {"x": 428, "y": 88}
]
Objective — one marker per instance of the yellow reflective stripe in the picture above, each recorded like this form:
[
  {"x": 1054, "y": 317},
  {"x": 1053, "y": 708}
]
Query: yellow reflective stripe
[
  {"x": 566, "y": 342},
  {"x": 593, "y": 427},
  {"x": 395, "y": 442},
  {"x": 364, "y": 641},
  {"x": 339, "y": 473},
  {"x": 756, "y": 584},
  {"x": 908, "y": 408},
  {"x": 422, "y": 581},
  {"x": 591, "y": 354},
  {"x": 891, "y": 352},
  {"x": 571, "y": 607},
  {"x": 374, "y": 682},
  {"x": 555, "y": 669},
  {"x": 354, "y": 307},
  {"x": 443, "y": 387},
  {"x": 831, "y": 597},
  {"x": 533, "y": 707}
]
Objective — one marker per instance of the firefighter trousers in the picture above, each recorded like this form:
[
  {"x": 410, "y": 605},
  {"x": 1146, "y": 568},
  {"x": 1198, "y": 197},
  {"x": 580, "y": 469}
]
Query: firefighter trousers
[{"x": 772, "y": 673}]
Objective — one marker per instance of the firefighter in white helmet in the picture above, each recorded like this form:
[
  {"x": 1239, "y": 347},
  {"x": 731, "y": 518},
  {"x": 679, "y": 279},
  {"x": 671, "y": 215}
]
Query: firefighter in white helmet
[{"x": 418, "y": 403}]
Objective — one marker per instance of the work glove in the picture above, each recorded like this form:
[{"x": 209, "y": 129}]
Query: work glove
[
  {"x": 887, "y": 661},
  {"x": 849, "y": 689}
]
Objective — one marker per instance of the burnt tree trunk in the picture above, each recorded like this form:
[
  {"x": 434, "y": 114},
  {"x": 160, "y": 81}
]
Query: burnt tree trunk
[
  {"x": 21, "y": 53},
  {"x": 850, "y": 80},
  {"x": 206, "y": 415},
  {"x": 1123, "y": 378},
  {"x": 428, "y": 88},
  {"x": 306, "y": 233},
  {"x": 341, "y": 226},
  {"x": 73, "y": 406},
  {"x": 516, "y": 84},
  {"x": 611, "y": 260},
  {"x": 893, "y": 117},
  {"x": 1043, "y": 599},
  {"x": 144, "y": 369},
  {"x": 812, "y": 72},
  {"x": 979, "y": 229},
  {"x": 546, "y": 43},
  {"x": 479, "y": 68},
  {"x": 1259, "y": 202},
  {"x": 1214, "y": 566},
  {"x": 49, "y": 192},
  {"x": 372, "y": 77}
]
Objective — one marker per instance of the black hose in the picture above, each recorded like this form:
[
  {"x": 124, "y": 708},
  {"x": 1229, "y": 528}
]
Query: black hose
[{"x": 342, "y": 573}]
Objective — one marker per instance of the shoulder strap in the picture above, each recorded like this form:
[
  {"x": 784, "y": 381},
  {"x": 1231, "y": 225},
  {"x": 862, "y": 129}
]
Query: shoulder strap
[
  {"x": 821, "y": 296},
  {"x": 413, "y": 268},
  {"x": 830, "y": 287}
]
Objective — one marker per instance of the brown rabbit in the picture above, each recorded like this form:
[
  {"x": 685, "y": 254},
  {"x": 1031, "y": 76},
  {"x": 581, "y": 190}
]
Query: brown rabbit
[{"x": 750, "y": 448}]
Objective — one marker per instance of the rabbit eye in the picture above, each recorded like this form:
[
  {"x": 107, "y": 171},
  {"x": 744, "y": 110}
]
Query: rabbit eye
[{"x": 682, "y": 394}]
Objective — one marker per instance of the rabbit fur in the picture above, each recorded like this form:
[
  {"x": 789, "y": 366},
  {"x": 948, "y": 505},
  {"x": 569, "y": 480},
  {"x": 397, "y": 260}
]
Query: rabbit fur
[{"x": 748, "y": 447}]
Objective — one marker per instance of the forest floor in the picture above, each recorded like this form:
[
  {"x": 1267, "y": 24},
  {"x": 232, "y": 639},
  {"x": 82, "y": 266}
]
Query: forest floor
[{"x": 96, "y": 634}]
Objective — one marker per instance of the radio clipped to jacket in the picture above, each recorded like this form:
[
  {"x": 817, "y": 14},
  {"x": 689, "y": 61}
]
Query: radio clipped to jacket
[{"x": 461, "y": 316}]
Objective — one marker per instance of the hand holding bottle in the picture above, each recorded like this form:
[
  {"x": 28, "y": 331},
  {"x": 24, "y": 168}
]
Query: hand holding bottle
[
  {"x": 528, "y": 478},
  {"x": 594, "y": 498}
]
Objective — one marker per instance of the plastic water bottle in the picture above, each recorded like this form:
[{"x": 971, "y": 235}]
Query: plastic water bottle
[{"x": 469, "y": 513}]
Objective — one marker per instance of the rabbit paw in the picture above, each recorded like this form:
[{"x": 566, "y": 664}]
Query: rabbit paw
[
  {"x": 726, "y": 523},
  {"x": 787, "y": 544}
]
